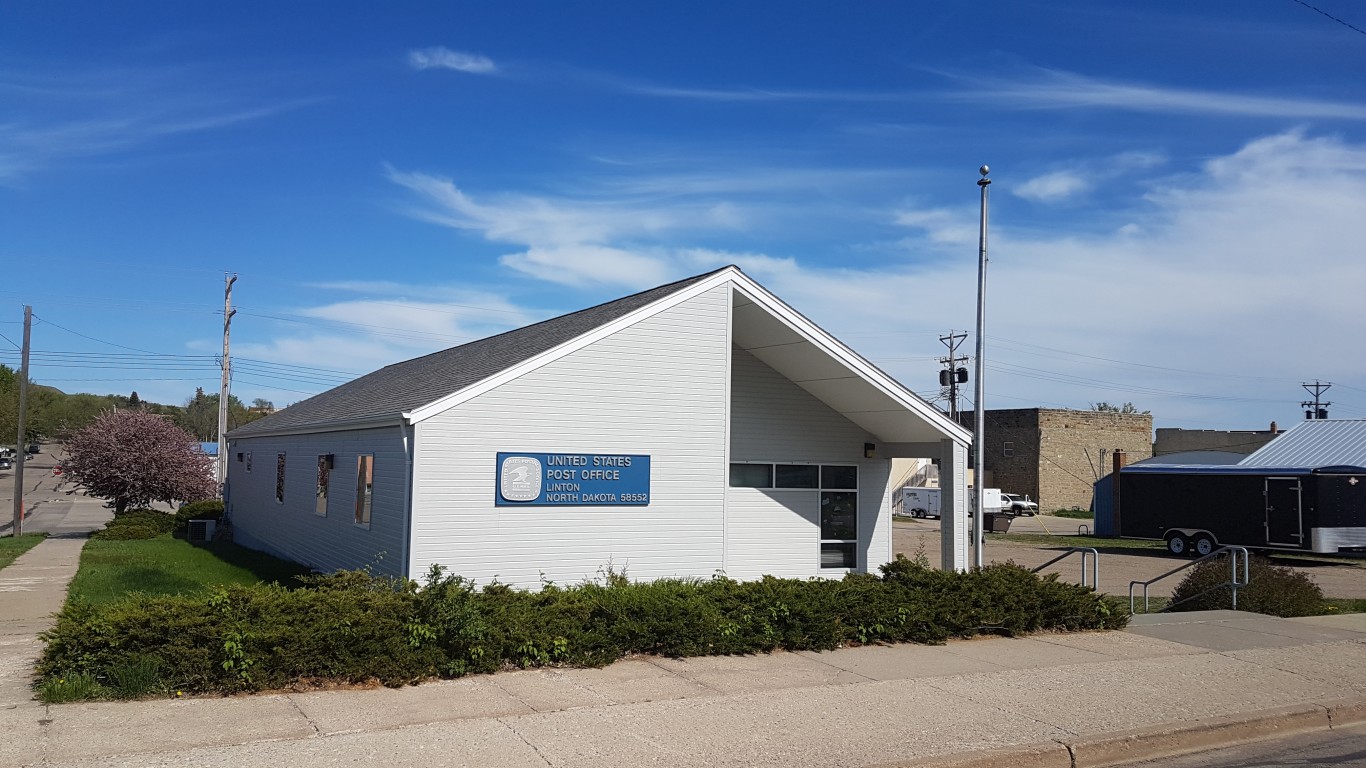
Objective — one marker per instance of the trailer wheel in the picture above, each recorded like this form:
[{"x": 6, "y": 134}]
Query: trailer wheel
[
  {"x": 1176, "y": 544},
  {"x": 1203, "y": 544}
]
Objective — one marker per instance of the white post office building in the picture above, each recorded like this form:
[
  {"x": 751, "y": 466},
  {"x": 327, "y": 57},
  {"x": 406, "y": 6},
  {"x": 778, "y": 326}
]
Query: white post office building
[{"x": 696, "y": 428}]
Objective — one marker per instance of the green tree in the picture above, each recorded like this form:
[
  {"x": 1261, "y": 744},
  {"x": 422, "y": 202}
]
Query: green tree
[
  {"x": 9, "y": 405},
  {"x": 1105, "y": 407},
  {"x": 199, "y": 417}
]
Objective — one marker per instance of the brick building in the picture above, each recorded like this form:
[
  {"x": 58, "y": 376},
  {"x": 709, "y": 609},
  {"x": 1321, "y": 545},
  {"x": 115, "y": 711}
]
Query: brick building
[{"x": 1057, "y": 455}]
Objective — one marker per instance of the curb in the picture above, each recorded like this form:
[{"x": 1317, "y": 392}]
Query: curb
[{"x": 1153, "y": 742}]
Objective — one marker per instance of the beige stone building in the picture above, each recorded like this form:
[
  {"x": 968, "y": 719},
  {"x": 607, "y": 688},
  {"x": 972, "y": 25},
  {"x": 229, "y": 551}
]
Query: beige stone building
[
  {"x": 1056, "y": 455},
  {"x": 1176, "y": 440}
]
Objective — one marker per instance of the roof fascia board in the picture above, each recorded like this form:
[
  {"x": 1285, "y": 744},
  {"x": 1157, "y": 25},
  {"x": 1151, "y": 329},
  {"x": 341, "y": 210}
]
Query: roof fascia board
[
  {"x": 818, "y": 336},
  {"x": 331, "y": 426},
  {"x": 569, "y": 347}
]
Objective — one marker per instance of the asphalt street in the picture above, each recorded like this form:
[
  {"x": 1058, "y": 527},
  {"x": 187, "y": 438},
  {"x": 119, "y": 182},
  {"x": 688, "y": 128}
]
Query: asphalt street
[{"x": 1343, "y": 748}]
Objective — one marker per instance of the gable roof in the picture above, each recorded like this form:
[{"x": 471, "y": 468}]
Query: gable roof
[
  {"x": 762, "y": 324},
  {"x": 1314, "y": 444},
  {"x": 385, "y": 395}
]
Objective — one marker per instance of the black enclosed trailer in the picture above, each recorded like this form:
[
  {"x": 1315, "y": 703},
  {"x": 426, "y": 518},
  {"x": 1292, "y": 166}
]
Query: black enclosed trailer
[{"x": 1196, "y": 509}]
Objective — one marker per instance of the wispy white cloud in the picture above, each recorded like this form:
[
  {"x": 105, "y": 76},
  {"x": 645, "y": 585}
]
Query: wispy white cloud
[
  {"x": 444, "y": 58},
  {"x": 941, "y": 226},
  {"x": 130, "y": 112},
  {"x": 1055, "y": 89},
  {"x": 1214, "y": 251},
  {"x": 1052, "y": 187},
  {"x": 1066, "y": 184},
  {"x": 1039, "y": 88},
  {"x": 574, "y": 242}
]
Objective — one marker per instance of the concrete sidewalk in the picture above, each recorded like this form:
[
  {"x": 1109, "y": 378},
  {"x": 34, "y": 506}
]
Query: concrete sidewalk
[
  {"x": 33, "y": 588},
  {"x": 1168, "y": 683}
]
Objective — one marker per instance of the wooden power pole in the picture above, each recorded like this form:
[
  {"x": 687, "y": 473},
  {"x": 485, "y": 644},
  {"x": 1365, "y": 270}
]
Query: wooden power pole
[
  {"x": 228, "y": 312},
  {"x": 22, "y": 458}
]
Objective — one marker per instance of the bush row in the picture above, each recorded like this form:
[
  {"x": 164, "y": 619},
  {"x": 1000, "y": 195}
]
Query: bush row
[
  {"x": 150, "y": 523},
  {"x": 351, "y": 627}
]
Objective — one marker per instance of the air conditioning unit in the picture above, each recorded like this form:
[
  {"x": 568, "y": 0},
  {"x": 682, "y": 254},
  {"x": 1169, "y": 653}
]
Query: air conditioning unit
[{"x": 200, "y": 530}]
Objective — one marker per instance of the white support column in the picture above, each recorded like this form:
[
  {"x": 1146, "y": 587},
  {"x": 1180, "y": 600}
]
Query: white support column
[{"x": 953, "y": 502}]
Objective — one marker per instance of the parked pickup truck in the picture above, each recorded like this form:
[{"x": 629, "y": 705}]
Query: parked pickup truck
[{"x": 1018, "y": 505}]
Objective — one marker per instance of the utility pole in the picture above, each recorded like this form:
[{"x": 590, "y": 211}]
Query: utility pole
[
  {"x": 953, "y": 374},
  {"x": 1315, "y": 410},
  {"x": 22, "y": 458},
  {"x": 979, "y": 416},
  {"x": 228, "y": 312}
]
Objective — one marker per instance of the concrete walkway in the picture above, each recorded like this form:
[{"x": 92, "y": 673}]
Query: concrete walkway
[{"x": 1167, "y": 684}]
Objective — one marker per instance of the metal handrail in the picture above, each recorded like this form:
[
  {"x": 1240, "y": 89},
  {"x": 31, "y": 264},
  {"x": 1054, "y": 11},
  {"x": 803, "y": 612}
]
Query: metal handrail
[
  {"x": 1234, "y": 583},
  {"x": 1095, "y": 564},
  {"x": 1083, "y": 530}
]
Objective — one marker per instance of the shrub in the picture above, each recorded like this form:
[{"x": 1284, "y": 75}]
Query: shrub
[
  {"x": 74, "y": 687},
  {"x": 1272, "y": 589},
  {"x": 162, "y": 521},
  {"x": 208, "y": 509},
  {"x": 135, "y": 678},
  {"x": 352, "y": 626},
  {"x": 127, "y": 532}
]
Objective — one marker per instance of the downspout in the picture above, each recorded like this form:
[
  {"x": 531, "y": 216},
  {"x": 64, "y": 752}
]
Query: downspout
[{"x": 408, "y": 450}]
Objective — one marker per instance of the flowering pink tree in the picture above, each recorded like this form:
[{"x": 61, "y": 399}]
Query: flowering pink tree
[{"x": 134, "y": 458}]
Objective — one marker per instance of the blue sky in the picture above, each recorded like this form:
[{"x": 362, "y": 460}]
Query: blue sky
[{"x": 1178, "y": 198}]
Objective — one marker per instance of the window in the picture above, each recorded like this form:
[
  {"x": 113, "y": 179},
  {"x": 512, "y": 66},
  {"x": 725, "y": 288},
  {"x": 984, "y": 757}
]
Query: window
[
  {"x": 797, "y": 476},
  {"x": 751, "y": 475},
  {"x": 839, "y": 517},
  {"x": 365, "y": 485},
  {"x": 837, "y": 486},
  {"x": 248, "y": 461},
  {"x": 280, "y": 477},
  {"x": 1008, "y": 449},
  {"x": 239, "y": 457},
  {"x": 324, "y": 474}
]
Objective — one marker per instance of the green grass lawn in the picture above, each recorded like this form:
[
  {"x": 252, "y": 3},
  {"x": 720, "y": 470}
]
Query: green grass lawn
[
  {"x": 11, "y": 547},
  {"x": 168, "y": 566},
  {"x": 1098, "y": 542}
]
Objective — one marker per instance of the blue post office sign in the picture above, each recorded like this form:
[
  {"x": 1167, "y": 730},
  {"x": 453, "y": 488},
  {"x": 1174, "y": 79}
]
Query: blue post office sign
[{"x": 572, "y": 480}]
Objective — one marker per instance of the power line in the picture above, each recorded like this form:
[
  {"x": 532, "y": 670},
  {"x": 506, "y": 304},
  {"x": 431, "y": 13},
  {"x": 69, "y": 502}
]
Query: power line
[
  {"x": 92, "y": 338},
  {"x": 276, "y": 386},
  {"x": 1129, "y": 363},
  {"x": 1331, "y": 16}
]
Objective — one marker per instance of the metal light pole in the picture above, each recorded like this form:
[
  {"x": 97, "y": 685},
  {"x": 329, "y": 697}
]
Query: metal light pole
[{"x": 978, "y": 419}]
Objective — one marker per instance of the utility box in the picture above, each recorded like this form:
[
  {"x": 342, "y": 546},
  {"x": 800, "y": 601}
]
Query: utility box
[
  {"x": 996, "y": 522},
  {"x": 200, "y": 530}
]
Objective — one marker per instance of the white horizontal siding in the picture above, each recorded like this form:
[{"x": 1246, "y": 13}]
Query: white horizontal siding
[
  {"x": 774, "y": 419},
  {"x": 291, "y": 529},
  {"x": 656, "y": 388},
  {"x": 778, "y": 532},
  {"x": 773, "y": 532}
]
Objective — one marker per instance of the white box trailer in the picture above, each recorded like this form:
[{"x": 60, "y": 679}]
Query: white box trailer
[
  {"x": 925, "y": 502},
  {"x": 916, "y": 502},
  {"x": 992, "y": 500}
]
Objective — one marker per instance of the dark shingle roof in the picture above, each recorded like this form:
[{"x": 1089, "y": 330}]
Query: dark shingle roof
[{"x": 411, "y": 384}]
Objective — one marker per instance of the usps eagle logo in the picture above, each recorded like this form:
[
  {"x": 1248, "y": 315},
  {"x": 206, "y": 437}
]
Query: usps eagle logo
[{"x": 520, "y": 478}]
